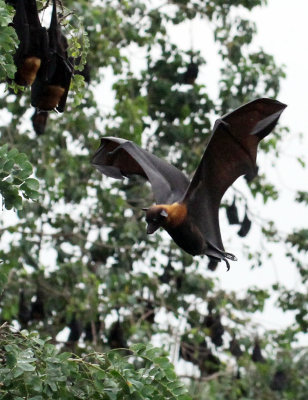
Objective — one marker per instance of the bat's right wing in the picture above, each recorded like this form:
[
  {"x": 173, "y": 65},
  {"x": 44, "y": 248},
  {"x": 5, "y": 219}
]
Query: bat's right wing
[
  {"x": 230, "y": 153},
  {"x": 118, "y": 158}
]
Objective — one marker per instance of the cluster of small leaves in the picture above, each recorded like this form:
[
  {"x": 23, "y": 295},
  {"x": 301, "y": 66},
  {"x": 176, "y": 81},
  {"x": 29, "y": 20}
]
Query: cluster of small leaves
[
  {"x": 33, "y": 367},
  {"x": 302, "y": 197},
  {"x": 299, "y": 239},
  {"x": 8, "y": 42},
  {"x": 78, "y": 48},
  {"x": 15, "y": 170},
  {"x": 259, "y": 185}
]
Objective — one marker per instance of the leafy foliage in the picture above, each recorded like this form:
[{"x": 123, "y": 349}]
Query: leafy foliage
[
  {"x": 8, "y": 42},
  {"x": 15, "y": 170},
  {"x": 36, "y": 368}
]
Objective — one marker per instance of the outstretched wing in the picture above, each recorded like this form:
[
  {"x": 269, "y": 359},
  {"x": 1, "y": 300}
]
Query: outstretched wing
[
  {"x": 230, "y": 153},
  {"x": 118, "y": 158}
]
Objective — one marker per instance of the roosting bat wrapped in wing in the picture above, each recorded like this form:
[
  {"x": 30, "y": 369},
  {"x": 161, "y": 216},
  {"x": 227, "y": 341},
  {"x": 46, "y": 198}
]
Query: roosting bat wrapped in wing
[
  {"x": 33, "y": 41},
  {"x": 189, "y": 211},
  {"x": 51, "y": 87}
]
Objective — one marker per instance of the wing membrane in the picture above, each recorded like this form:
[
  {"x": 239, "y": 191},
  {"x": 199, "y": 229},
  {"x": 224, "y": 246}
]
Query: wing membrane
[
  {"x": 231, "y": 152},
  {"x": 118, "y": 158}
]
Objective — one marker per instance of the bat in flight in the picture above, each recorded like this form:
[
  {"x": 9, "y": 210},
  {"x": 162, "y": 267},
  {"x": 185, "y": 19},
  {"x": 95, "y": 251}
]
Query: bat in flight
[
  {"x": 33, "y": 41},
  {"x": 188, "y": 210},
  {"x": 49, "y": 90}
]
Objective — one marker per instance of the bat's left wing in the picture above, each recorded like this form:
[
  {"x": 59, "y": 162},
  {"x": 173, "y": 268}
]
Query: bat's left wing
[
  {"x": 118, "y": 158},
  {"x": 230, "y": 153}
]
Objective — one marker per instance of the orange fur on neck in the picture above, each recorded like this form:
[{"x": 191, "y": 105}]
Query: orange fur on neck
[{"x": 176, "y": 213}]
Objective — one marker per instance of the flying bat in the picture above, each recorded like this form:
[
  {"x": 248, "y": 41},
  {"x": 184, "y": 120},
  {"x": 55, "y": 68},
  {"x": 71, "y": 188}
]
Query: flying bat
[
  {"x": 33, "y": 41},
  {"x": 188, "y": 211},
  {"x": 50, "y": 89}
]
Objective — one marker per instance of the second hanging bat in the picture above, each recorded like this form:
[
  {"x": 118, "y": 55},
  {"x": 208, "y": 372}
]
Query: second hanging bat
[{"x": 188, "y": 211}]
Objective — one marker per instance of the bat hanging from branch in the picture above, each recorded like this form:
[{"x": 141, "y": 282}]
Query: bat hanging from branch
[
  {"x": 188, "y": 211},
  {"x": 191, "y": 73},
  {"x": 33, "y": 41},
  {"x": 50, "y": 89}
]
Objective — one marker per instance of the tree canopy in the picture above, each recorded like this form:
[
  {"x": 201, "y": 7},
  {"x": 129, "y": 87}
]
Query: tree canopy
[{"x": 77, "y": 265}]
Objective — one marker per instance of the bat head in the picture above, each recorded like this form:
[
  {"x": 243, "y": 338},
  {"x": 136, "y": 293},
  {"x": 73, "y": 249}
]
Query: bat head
[{"x": 156, "y": 216}]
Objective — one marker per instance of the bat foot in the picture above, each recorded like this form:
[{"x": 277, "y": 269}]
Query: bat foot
[
  {"x": 230, "y": 257},
  {"x": 223, "y": 255}
]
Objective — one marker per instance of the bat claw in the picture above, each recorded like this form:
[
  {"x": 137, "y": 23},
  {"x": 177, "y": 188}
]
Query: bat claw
[
  {"x": 227, "y": 264},
  {"x": 224, "y": 124}
]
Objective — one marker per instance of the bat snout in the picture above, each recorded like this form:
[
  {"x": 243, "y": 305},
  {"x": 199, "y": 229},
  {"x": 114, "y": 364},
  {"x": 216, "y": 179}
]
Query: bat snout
[{"x": 152, "y": 227}]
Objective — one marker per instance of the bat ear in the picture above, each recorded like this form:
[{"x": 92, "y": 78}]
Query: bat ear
[{"x": 164, "y": 213}]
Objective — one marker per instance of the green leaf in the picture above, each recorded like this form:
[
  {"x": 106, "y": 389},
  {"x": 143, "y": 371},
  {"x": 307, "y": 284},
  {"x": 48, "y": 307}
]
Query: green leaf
[
  {"x": 12, "y": 154},
  {"x": 7, "y": 167},
  {"x": 21, "y": 158},
  {"x": 11, "y": 360},
  {"x": 32, "y": 184},
  {"x": 17, "y": 203},
  {"x": 4, "y": 150}
]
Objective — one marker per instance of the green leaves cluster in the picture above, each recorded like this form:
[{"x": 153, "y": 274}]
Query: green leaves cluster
[
  {"x": 31, "y": 366},
  {"x": 8, "y": 42},
  {"x": 15, "y": 170}
]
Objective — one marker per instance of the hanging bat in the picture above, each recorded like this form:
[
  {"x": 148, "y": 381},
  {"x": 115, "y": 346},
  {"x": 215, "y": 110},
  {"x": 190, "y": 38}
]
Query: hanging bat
[
  {"x": 33, "y": 41},
  {"x": 245, "y": 225},
  {"x": 191, "y": 74},
  {"x": 232, "y": 214},
  {"x": 188, "y": 211},
  {"x": 39, "y": 121},
  {"x": 50, "y": 89}
]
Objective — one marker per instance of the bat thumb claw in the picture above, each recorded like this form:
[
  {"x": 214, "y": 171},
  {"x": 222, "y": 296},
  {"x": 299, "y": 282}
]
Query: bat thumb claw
[{"x": 230, "y": 256}]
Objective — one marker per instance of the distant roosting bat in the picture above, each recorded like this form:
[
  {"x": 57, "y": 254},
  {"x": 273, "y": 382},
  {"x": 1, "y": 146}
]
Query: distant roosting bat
[{"x": 188, "y": 211}]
